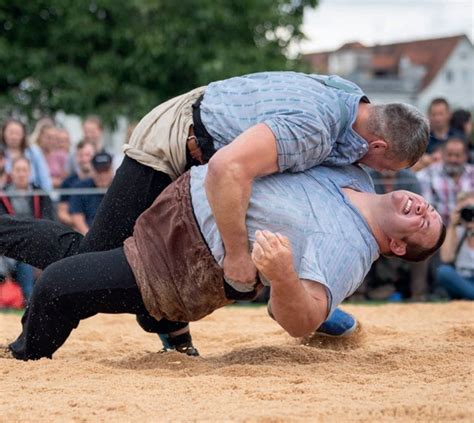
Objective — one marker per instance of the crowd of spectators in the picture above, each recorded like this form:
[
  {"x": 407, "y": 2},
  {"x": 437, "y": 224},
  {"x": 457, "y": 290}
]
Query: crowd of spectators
[{"x": 32, "y": 166}]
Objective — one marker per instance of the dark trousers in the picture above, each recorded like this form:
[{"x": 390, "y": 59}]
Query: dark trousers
[
  {"x": 76, "y": 288},
  {"x": 42, "y": 242}
]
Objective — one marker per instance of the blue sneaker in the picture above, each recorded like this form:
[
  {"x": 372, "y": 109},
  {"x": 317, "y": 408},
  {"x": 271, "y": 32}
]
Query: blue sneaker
[{"x": 338, "y": 324}]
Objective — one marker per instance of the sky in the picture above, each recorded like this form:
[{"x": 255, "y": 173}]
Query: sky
[{"x": 335, "y": 22}]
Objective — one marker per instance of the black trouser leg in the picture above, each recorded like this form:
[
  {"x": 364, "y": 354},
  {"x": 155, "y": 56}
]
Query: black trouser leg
[
  {"x": 133, "y": 190},
  {"x": 41, "y": 242},
  {"x": 38, "y": 242},
  {"x": 74, "y": 289}
]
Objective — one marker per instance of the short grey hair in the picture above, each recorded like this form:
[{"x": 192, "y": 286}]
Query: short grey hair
[{"x": 403, "y": 127}]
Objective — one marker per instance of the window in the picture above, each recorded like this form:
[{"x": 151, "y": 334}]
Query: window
[
  {"x": 465, "y": 75},
  {"x": 449, "y": 76}
]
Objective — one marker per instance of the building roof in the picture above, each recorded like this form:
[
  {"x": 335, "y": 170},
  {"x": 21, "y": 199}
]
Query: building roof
[{"x": 431, "y": 54}]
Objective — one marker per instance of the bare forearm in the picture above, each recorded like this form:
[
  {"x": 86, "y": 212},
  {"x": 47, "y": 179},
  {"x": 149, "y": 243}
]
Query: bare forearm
[
  {"x": 295, "y": 309},
  {"x": 298, "y": 305},
  {"x": 80, "y": 224},
  {"x": 229, "y": 180},
  {"x": 448, "y": 249},
  {"x": 63, "y": 214},
  {"x": 228, "y": 191}
]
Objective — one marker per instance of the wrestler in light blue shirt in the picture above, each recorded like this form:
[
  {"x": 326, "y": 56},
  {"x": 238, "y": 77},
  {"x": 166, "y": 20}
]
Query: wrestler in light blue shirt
[
  {"x": 311, "y": 116},
  {"x": 331, "y": 241}
]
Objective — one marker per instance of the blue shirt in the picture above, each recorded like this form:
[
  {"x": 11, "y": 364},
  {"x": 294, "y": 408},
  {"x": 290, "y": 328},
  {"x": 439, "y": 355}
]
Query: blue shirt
[
  {"x": 69, "y": 182},
  {"x": 85, "y": 204},
  {"x": 331, "y": 241},
  {"x": 435, "y": 143},
  {"x": 311, "y": 121}
]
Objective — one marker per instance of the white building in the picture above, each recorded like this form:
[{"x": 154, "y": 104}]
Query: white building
[{"x": 414, "y": 72}]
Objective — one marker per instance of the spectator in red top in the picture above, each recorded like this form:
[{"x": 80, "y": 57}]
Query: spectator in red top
[
  {"x": 14, "y": 140},
  {"x": 23, "y": 204}
]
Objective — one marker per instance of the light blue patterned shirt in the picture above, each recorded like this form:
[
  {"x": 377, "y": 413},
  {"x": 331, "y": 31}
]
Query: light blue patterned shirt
[
  {"x": 312, "y": 122},
  {"x": 331, "y": 241}
]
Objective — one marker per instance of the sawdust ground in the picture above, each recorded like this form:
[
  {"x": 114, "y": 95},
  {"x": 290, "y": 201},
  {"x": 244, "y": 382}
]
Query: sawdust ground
[{"x": 406, "y": 362}]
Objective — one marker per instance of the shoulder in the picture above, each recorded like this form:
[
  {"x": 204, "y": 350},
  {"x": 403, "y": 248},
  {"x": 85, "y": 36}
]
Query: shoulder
[
  {"x": 70, "y": 180},
  {"x": 33, "y": 151},
  {"x": 84, "y": 183}
]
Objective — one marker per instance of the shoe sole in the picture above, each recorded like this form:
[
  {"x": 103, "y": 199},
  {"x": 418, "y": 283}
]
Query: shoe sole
[{"x": 342, "y": 335}]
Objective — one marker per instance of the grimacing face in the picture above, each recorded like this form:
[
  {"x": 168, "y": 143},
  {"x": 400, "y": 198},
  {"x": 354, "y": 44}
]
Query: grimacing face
[{"x": 410, "y": 218}]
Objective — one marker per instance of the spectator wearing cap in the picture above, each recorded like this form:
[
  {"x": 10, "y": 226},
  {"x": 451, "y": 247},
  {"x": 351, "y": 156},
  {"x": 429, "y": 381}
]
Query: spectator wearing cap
[
  {"x": 83, "y": 163},
  {"x": 83, "y": 207}
]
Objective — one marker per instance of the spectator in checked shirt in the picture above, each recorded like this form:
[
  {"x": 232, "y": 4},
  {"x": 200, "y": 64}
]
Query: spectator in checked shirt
[{"x": 442, "y": 182}]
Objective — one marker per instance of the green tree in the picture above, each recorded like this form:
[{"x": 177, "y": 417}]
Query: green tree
[{"x": 115, "y": 58}]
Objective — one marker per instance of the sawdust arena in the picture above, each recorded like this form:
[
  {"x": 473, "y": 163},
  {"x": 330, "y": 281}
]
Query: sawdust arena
[{"x": 406, "y": 362}]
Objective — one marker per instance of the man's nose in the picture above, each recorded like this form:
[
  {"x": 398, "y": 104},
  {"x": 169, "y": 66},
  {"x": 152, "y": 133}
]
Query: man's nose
[{"x": 421, "y": 208}]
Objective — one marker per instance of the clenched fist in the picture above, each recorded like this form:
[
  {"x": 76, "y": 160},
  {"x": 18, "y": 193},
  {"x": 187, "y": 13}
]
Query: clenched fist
[{"x": 272, "y": 256}]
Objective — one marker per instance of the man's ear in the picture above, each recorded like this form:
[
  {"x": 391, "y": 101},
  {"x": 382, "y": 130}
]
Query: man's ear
[
  {"x": 379, "y": 146},
  {"x": 398, "y": 247}
]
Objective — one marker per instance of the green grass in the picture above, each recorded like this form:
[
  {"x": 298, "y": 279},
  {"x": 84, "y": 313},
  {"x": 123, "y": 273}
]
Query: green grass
[
  {"x": 372, "y": 303},
  {"x": 11, "y": 311}
]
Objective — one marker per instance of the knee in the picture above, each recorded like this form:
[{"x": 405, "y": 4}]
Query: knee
[
  {"x": 46, "y": 288},
  {"x": 445, "y": 272}
]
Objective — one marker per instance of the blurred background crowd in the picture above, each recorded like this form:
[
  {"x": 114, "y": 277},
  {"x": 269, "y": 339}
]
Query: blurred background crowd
[{"x": 75, "y": 74}]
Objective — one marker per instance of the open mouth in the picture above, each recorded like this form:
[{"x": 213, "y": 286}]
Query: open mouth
[{"x": 408, "y": 206}]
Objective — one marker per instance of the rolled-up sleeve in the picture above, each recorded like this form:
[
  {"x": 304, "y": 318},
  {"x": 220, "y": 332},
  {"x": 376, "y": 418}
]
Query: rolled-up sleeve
[{"x": 302, "y": 142}]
